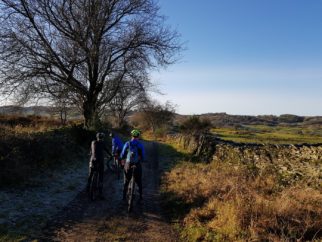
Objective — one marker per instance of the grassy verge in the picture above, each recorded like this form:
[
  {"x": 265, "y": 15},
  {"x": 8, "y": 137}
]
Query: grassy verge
[
  {"x": 239, "y": 202},
  {"x": 23, "y": 155},
  {"x": 42, "y": 167}
]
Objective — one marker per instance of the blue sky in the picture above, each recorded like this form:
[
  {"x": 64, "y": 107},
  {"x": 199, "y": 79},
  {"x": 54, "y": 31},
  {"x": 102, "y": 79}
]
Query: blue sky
[{"x": 245, "y": 57}]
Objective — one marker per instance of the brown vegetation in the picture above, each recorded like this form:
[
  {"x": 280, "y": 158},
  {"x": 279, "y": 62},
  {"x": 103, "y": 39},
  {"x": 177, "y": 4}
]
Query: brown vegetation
[
  {"x": 195, "y": 124},
  {"x": 226, "y": 202}
]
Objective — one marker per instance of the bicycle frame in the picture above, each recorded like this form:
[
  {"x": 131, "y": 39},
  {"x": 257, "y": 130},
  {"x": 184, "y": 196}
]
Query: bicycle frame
[{"x": 114, "y": 165}]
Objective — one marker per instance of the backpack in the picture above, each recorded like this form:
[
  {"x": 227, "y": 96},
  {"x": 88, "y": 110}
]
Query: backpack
[{"x": 132, "y": 154}]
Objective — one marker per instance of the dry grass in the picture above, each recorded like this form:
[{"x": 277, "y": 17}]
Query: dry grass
[
  {"x": 31, "y": 124},
  {"x": 238, "y": 203}
]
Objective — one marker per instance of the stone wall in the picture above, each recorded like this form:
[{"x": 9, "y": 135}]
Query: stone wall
[{"x": 292, "y": 160}]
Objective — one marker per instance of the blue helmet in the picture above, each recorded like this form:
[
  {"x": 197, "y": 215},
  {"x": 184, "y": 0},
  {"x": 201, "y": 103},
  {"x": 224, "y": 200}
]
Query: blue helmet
[{"x": 100, "y": 135}]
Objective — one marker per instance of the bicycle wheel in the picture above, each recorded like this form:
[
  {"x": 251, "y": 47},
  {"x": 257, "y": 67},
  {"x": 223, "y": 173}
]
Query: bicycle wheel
[
  {"x": 131, "y": 190},
  {"x": 93, "y": 189},
  {"x": 111, "y": 164}
]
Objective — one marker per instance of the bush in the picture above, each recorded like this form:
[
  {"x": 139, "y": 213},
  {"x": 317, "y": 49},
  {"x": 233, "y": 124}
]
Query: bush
[
  {"x": 80, "y": 135},
  {"x": 195, "y": 125},
  {"x": 290, "y": 118}
]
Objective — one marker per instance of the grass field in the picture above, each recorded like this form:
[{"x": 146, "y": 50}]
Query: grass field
[{"x": 280, "y": 134}]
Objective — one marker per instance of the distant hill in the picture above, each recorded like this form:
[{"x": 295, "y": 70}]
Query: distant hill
[
  {"x": 217, "y": 119},
  {"x": 224, "y": 119},
  {"x": 25, "y": 111}
]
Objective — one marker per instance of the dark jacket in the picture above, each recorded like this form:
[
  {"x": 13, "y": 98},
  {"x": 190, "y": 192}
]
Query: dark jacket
[{"x": 97, "y": 150}]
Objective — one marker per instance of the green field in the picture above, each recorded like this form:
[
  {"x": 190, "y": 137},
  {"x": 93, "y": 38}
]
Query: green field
[{"x": 279, "y": 134}]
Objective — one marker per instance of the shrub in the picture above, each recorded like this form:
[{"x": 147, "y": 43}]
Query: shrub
[{"x": 195, "y": 125}]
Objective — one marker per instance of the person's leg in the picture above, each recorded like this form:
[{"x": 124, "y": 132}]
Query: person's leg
[
  {"x": 127, "y": 178},
  {"x": 101, "y": 177},
  {"x": 90, "y": 175},
  {"x": 138, "y": 178},
  {"x": 119, "y": 159}
]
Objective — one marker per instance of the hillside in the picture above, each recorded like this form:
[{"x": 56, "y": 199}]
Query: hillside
[
  {"x": 217, "y": 119},
  {"x": 228, "y": 120}
]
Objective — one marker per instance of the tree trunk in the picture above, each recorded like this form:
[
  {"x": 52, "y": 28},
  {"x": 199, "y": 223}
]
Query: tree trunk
[
  {"x": 90, "y": 115},
  {"x": 63, "y": 117},
  {"x": 120, "y": 120}
]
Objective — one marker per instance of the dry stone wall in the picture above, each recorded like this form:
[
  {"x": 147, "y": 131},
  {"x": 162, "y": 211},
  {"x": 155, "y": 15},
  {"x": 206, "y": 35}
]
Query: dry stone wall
[{"x": 291, "y": 160}]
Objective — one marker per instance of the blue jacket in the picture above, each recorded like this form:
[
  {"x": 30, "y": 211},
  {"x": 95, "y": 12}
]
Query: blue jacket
[
  {"x": 139, "y": 145},
  {"x": 117, "y": 144}
]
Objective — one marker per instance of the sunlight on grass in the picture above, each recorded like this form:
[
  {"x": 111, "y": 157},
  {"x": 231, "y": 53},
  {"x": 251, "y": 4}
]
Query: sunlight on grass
[{"x": 271, "y": 134}]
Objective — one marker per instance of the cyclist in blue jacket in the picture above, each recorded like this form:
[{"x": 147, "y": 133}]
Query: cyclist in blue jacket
[
  {"x": 133, "y": 154},
  {"x": 117, "y": 146}
]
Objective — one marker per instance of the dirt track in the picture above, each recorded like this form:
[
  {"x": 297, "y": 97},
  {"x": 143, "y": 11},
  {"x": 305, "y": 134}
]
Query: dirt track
[{"x": 108, "y": 220}]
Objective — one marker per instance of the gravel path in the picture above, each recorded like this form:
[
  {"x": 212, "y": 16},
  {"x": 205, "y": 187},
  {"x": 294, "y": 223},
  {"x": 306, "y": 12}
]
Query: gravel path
[
  {"x": 26, "y": 210},
  {"x": 108, "y": 220}
]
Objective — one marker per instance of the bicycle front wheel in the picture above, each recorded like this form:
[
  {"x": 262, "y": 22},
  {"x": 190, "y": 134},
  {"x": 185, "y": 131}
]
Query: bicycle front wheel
[
  {"x": 131, "y": 190},
  {"x": 93, "y": 189},
  {"x": 111, "y": 164}
]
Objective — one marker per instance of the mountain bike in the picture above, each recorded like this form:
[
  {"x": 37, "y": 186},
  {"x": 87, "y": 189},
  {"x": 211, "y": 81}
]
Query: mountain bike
[
  {"x": 114, "y": 165},
  {"x": 131, "y": 190},
  {"x": 93, "y": 191}
]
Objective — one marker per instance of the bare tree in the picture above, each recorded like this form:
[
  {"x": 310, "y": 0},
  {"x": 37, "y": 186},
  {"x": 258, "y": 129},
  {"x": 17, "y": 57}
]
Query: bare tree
[
  {"x": 88, "y": 47},
  {"x": 129, "y": 98},
  {"x": 155, "y": 115},
  {"x": 62, "y": 103}
]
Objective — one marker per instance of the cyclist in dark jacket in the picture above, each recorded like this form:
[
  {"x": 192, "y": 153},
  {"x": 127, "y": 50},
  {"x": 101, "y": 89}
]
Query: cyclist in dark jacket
[
  {"x": 97, "y": 161},
  {"x": 133, "y": 146}
]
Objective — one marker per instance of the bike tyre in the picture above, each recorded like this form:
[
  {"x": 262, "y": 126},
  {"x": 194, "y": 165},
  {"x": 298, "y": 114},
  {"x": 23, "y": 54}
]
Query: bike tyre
[
  {"x": 93, "y": 189},
  {"x": 111, "y": 164},
  {"x": 131, "y": 190}
]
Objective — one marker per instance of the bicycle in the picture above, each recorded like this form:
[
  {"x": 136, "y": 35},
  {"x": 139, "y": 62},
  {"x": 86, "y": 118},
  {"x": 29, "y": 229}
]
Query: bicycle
[
  {"x": 114, "y": 165},
  {"x": 93, "y": 192},
  {"x": 131, "y": 190}
]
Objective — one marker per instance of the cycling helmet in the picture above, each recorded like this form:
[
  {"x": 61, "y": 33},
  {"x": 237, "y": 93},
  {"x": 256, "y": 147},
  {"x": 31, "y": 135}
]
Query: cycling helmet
[
  {"x": 135, "y": 133},
  {"x": 100, "y": 135}
]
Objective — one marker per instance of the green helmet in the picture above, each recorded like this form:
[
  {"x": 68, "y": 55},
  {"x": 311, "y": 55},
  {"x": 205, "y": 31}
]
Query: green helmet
[{"x": 135, "y": 133}]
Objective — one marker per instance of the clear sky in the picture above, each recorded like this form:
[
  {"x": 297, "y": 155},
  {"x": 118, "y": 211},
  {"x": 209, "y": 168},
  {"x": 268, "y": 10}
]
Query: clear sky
[{"x": 245, "y": 57}]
